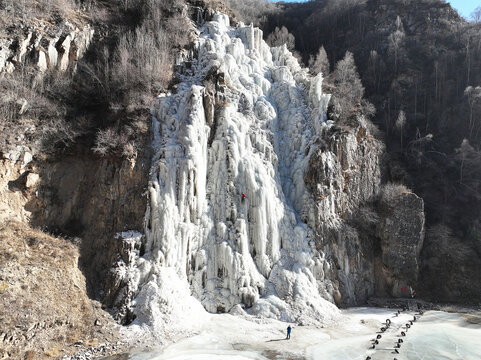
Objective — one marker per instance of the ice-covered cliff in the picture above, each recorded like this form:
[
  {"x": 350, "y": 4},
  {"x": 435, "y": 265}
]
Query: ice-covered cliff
[
  {"x": 240, "y": 122},
  {"x": 248, "y": 188}
]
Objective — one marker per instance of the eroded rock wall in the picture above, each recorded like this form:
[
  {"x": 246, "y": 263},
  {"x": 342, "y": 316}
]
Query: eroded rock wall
[
  {"x": 374, "y": 247},
  {"x": 17, "y": 184},
  {"x": 81, "y": 196},
  {"x": 93, "y": 199},
  {"x": 345, "y": 172},
  {"x": 48, "y": 48}
]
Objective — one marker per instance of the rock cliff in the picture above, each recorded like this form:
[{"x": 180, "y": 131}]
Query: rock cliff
[{"x": 48, "y": 47}]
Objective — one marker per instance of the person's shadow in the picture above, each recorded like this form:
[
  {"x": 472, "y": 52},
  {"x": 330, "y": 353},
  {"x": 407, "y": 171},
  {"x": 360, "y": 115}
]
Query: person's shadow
[{"x": 276, "y": 340}]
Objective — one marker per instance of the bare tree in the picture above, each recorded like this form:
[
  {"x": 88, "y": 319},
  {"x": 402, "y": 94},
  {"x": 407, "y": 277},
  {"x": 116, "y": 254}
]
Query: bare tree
[
  {"x": 467, "y": 46},
  {"x": 372, "y": 65},
  {"x": 281, "y": 36},
  {"x": 390, "y": 192},
  {"x": 400, "y": 122},
  {"x": 470, "y": 165},
  {"x": 348, "y": 90},
  {"x": 476, "y": 15},
  {"x": 396, "y": 40},
  {"x": 473, "y": 95},
  {"x": 253, "y": 11},
  {"x": 463, "y": 151},
  {"x": 319, "y": 63},
  {"x": 417, "y": 147}
]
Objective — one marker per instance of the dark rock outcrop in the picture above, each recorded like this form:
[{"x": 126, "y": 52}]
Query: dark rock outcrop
[
  {"x": 401, "y": 233},
  {"x": 345, "y": 172},
  {"x": 373, "y": 240}
]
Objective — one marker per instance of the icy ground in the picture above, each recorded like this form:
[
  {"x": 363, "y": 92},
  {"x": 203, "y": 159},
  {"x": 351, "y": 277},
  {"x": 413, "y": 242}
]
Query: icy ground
[{"x": 435, "y": 335}]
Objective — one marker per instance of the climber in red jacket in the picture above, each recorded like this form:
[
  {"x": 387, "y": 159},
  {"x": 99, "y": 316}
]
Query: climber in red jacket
[{"x": 243, "y": 196}]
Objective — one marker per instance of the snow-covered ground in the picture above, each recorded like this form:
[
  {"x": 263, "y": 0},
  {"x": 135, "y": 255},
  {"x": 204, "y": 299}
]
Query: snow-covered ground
[{"x": 435, "y": 335}]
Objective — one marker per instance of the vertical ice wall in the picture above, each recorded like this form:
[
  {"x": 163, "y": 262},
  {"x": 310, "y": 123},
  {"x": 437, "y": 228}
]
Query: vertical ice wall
[{"x": 240, "y": 121}]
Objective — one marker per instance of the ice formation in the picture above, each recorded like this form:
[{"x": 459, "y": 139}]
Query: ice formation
[{"x": 240, "y": 122}]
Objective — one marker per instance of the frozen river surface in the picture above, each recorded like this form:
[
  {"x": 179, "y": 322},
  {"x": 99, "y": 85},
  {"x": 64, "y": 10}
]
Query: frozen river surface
[{"x": 435, "y": 335}]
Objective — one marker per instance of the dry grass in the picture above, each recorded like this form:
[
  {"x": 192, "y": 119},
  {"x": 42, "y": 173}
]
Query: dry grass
[{"x": 49, "y": 10}]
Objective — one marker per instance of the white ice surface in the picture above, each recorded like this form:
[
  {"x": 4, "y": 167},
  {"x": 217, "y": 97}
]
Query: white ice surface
[{"x": 434, "y": 336}]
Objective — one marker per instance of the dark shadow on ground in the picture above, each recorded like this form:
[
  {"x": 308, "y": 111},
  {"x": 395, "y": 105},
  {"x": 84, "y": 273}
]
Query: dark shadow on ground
[{"x": 277, "y": 340}]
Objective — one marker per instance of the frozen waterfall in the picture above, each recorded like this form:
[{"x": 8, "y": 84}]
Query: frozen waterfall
[{"x": 240, "y": 120}]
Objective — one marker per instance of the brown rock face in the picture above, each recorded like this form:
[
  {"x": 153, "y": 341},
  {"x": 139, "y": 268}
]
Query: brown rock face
[
  {"x": 93, "y": 199},
  {"x": 344, "y": 173},
  {"x": 17, "y": 182},
  {"x": 373, "y": 244}
]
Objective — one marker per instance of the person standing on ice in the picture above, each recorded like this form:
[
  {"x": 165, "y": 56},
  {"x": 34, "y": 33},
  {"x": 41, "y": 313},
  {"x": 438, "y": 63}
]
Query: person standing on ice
[
  {"x": 243, "y": 196},
  {"x": 288, "y": 332}
]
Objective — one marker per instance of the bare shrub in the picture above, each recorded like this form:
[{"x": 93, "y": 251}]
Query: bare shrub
[
  {"x": 114, "y": 141},
  {"x": 129, "y": 150},
  {"x": 143, "y": 62},
  {"x": 390, "y": 192},
  {"x": 33, "y": 109},
  {"x": 105, "y": 142},
  {"x": 367, "y": 215},
  {"x": 373, "y": 129},
  {"x": 57, "y": 131},
  {"x": 365, "y": 219},
  {"x": 176, "y": 27},
  {"x": 43, "y": 9}
]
